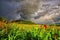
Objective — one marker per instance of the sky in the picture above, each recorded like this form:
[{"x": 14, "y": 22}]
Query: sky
[{"x": 38, "y": 11}]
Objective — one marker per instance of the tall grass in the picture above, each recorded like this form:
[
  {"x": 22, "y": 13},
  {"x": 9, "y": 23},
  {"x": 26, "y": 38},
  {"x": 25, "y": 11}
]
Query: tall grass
[{"x": 21, "y": 32}]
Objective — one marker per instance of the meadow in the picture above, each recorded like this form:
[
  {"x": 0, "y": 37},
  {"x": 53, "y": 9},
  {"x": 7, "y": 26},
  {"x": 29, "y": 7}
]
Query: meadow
[{"x": 18, "y": 31}]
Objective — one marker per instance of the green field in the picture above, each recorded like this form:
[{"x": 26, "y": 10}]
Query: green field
[{"x": 21, "y": 31}]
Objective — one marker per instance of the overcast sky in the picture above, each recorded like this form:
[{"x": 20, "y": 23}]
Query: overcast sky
[{"x": 38, "y": 11}]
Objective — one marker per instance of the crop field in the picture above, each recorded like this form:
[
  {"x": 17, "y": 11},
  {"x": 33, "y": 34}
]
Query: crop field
[{"x": 16, "y": 31}]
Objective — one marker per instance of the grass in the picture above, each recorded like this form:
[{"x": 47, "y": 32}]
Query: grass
[{"x": 16, "y": 31}]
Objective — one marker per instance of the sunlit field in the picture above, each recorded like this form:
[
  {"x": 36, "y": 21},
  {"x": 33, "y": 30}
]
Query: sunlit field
[{"x": 16, "y": 31}]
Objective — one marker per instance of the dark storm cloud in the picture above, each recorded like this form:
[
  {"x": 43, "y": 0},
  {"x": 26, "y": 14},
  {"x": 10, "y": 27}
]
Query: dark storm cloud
[
  {"x": 38, "y": 11},
  {"x": 8, "y": 9},
  {"x": 11, "y": 8}
]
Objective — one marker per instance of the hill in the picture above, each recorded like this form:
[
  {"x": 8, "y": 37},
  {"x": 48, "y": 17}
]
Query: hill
[{"x": 23, "y": 22}]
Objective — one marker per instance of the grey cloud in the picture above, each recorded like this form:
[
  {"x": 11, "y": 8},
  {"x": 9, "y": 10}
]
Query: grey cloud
[{"x": 38, "y": 11}]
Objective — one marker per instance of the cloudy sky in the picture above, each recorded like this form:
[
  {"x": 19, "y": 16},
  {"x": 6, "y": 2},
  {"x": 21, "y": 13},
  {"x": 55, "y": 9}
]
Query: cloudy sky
[{"x": 38, "y": 11}]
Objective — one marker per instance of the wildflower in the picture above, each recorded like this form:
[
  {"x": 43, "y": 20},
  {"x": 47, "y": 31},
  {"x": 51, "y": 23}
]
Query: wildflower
[
  {"x": 45, "y": 26},
  {"x": 1, "y": 23}
]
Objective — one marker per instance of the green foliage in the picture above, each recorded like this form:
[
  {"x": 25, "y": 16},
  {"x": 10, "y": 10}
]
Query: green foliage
[{"x": 15, "y": 33}]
